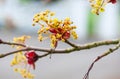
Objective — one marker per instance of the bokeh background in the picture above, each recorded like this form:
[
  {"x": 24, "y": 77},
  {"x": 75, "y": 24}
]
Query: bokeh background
[{"x": 16, "y": 20}]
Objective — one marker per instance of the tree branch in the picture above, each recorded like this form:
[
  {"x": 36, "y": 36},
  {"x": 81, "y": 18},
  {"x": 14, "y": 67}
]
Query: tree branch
[
  {"x": 71, "y": 44},
  {"x": 60, "y": 51},
  {"x": 73, "y": 48},
  {"x": 111, "y": 50},
  {"x": 11, "y": 43}
]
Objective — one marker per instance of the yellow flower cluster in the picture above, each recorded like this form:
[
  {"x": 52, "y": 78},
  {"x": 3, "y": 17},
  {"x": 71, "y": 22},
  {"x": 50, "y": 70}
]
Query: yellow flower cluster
[
  {"x": 20, "y": 40},
  {"x": 98, "y": 5},
  {"x": 55, "y": 29},
  {"x": 24, "y": 73},
  {"x": 53, "y": 41},
  {"x": 20, "y": 60},
  {"x": 19, "y": 57}
]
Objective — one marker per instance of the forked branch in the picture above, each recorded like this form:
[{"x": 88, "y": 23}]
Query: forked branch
[{"x": 109, "y": 51}]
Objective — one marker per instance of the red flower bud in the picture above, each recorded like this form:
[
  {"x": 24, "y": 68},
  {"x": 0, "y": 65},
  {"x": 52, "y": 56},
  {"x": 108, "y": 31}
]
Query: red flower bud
[
  {"x": 66, "y": 35},
  {"x": 56, "y": 43},
  {"x": 113, "y": 1},
  {"x": 60, "y": 30},
  {"x": 32, "y": 58},
  {"x": 52, "y": 30}
]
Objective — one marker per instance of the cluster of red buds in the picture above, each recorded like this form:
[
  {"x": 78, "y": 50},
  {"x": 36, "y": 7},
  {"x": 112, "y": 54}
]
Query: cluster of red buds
[{"x": 65, "y": 35}]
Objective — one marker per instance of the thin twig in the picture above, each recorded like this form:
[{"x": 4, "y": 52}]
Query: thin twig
[
  {"x": 41, "y": 56},
  {"x": 12, "y": 43},
  {"x": 111, "y": 50},
  {"x": 71, "y": 44}
]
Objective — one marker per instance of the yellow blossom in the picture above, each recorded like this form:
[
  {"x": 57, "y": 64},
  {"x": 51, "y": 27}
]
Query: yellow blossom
[
  {"x": 53, "y": 41},
  {"x": 55, "y": 29},
  {"x": 24, "y": 73},
  {"x": 52, "y": 14},
  {"x": 102, "y": 9},
  {"x": 21, "y": 39},
  {"x": 75, "y": 36},
  {"x": 58, "y": 35},
  {"x": 19, "y": 58},
  {"x": 40, "y": 37},
  {"x": 98, "y": 5}
]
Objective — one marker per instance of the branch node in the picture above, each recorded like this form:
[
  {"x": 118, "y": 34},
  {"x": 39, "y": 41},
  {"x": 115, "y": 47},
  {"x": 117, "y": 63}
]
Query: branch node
[
  {"x": 51, "y": 51},
  {"x": 111, "y": 50},
  {"x": 95, "y": 44},
  {"x": 1, "y": 55}
]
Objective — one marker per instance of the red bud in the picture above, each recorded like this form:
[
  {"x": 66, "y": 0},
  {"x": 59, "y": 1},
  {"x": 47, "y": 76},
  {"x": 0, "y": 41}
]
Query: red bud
[
  {"x": 66, "y": 35},
  {"x": 113, "y": 1},
  {"x": 52, "y": 30},
  {"x": 32, "y": 57}
]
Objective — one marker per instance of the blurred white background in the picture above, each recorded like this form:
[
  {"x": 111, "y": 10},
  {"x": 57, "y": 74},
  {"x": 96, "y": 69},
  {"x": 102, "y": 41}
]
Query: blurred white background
[{"x": 16, "y": 20}]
